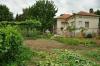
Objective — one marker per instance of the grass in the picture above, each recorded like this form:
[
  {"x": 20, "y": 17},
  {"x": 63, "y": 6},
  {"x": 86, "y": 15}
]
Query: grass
[
  {"x": 95, "y": 54},
  {"x": 22, "y": 60},
  {"x": 92, "y": 53},
  {"x": 76, "y": 41}
]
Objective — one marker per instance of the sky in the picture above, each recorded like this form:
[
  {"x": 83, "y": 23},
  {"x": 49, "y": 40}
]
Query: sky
[{"x": 64, "y": 6}]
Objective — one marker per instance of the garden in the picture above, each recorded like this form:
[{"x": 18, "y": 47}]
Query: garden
[
  {"x": 33, "y": 48},
  {"x": 25, "y": 41}
]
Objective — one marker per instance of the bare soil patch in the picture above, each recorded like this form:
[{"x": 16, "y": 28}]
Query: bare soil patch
[{"x": 43, "y": 44}]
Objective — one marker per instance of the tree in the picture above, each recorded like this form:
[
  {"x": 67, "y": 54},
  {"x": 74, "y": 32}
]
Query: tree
[
  {"x": 19, "y": 17},
  {"x": 44, "y": 11},
  {"x": 99, "y": 26},
  {"x": 98, "y": 13},
  {"x": 5, "y": 14}
]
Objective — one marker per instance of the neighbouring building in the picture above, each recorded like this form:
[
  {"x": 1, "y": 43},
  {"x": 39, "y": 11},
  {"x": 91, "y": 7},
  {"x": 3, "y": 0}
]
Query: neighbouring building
[{"x": 87, "y": 20}]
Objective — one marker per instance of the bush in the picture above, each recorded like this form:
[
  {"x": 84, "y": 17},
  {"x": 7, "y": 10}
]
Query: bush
[
  {"x": 46, "y": 36},
  {"x": 26, "y": 27},
  {"x": 31, "y": 34},
  {"x": 10, "y": 43},
  {"x": 11, "y": 48},
  {"x": 89, "y": 36}
]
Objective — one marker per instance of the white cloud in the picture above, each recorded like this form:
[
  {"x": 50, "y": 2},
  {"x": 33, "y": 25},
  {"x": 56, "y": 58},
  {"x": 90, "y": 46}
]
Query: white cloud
[
  {"x": 64, "y": 6},
  {"x": 16, "y": 6},
  {"x": 98, "y": 4},
  {"x": 75, "y": 5}
]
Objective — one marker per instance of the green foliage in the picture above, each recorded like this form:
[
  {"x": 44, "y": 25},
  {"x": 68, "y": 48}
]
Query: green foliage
[
  {"x": 61, "y": 58},
  {"x": 70, "y": 41},
  {"x": 5, "y": 14},
  {"x": 12, "y": 52},
  {"x": 10, "y": 42},
  {"x": 99, "y": 27},
  {"x": 27, "y": 28},
  {"x": 19, "y": 17},
  {"x": 82, "y": 29},
  {"x": 27, "y": 23},
  {"x": 32, "y": 34},
  {"x": 42, "y": 10},
  {"x": 95, "y": 54},
  {"x": 31, "y": 29},
  {"x": 22, "y": 59},
  {"x": 97, "y": 12},
  {"x": 76, "y": 41},
  {"x": 46, "y": 36},
  {"x": 71, "y": 28}
]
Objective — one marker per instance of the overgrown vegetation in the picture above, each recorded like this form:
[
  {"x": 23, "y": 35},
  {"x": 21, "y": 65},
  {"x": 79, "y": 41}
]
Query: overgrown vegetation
[
  {"x": 94, "y": 54},
  {"x": 42, "y": 10},
  {"x": 76, "y": 41},
  {"x": 60, "y": 58},
  {"x": 12, "y": 52},
  {"x": 28, "y": 28},
  {"x": 5, "y": 14}
]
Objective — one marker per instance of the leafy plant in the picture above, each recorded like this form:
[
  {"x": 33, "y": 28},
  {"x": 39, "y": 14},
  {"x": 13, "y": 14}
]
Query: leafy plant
[
  {"x": 10, "y": 42},
  {"x": 94, "y": 54},
  {"x": 11, "y": 48},
  {"x": 61, "y": 58}
]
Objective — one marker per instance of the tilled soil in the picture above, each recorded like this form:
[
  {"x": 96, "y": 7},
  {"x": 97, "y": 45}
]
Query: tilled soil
[{"x": 42, "y": 44}]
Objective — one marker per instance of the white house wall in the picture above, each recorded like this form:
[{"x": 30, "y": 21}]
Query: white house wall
[
  {"x": 59, "y": 26},
  {"x": 93, "y": 23}
]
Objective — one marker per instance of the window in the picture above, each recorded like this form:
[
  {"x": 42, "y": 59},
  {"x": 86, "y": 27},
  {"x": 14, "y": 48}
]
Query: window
[
  {"x": 80, "y": 23},
  {"x": 87, "y": 24}
]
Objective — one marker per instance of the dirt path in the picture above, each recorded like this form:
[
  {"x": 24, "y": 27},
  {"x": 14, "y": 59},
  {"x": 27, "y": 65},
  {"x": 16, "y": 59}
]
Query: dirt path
[{"x": 42, "y": 44}]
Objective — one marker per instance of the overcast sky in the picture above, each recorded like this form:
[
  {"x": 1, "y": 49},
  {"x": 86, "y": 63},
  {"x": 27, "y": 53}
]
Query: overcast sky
[{"x": 64, "y": 6}]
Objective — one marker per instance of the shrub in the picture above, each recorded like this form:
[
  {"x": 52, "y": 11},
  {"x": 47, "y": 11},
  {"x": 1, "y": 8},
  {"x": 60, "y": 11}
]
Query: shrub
[
  {"x": 31, "y": 34},
  {"x": 11, "y": 48},
  {"x": 10, "y": 43},
  {"x": 46, "y": 36},
  {"x": 89, "y": 36},
  {"x": 26, "y": 27}
]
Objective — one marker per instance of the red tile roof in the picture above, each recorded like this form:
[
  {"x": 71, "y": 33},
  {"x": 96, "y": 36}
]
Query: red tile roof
[
  {"x": 82, "y": 13},
  {"x": 64, "y": 16},
  {"x": 86, "y": 13}
]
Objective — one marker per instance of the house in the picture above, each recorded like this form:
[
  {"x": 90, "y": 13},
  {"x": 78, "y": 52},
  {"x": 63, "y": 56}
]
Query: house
[{"x": 87, "y": 20}]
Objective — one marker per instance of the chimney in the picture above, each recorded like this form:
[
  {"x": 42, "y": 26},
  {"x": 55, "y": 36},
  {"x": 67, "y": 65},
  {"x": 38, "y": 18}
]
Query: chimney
[{"x": 91, "y": 10}]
